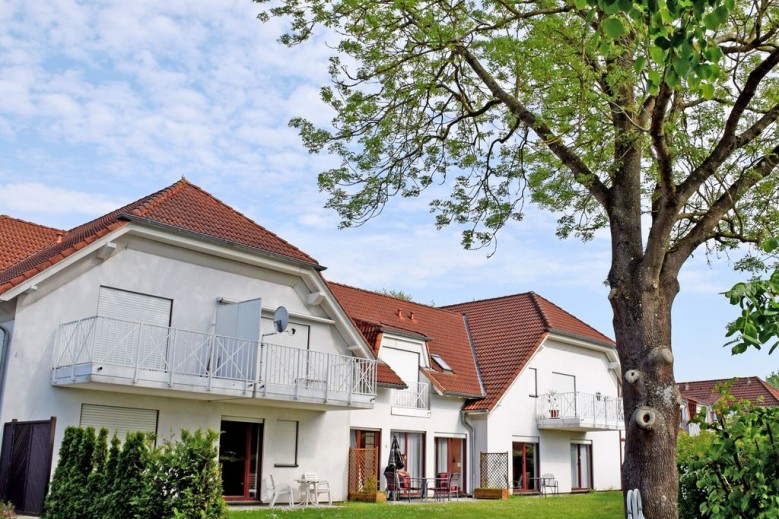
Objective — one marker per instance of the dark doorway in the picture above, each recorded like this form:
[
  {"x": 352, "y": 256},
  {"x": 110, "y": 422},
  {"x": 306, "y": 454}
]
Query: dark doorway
[
  {"x": 525, "y": 462},
  {"x": 25, "y": 464},
  {"x": 240, "y": 446}
]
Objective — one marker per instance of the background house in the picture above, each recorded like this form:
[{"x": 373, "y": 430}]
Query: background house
[
  {"x": 701, "y": 395},
  {"x": 552, "y": 399}
]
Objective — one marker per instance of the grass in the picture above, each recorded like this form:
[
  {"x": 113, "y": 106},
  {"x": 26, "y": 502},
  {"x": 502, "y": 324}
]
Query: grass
[{"x": 599, "y": 505}]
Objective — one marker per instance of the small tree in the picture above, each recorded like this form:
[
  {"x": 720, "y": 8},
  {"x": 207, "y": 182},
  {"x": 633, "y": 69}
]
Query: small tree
[
  {"x": 125, "y": 498},
  {"x": 58, "y": 501},
  {"x": 738, "y": 475},
  {"x": 98, "y": 478}
]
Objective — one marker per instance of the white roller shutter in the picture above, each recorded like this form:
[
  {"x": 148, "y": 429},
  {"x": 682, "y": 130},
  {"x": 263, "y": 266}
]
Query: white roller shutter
[
  {"x": 285, "y": 443},
  {"x": 119, "y": 420},
  {"x": 131, "y": 306},
  {"x": 404, "y": 363}
]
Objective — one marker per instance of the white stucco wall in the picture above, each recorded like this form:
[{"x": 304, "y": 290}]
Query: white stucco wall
[
  {"x": 514, "y": 418},
  {"x": 194, "y": 281}
]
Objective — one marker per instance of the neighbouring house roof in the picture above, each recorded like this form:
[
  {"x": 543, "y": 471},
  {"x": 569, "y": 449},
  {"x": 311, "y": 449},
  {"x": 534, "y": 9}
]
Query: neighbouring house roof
[
  {"x": 508, "y": 330},
  {"x": 444, "y": 332},
  {"x": 745, "y": 388},
  {"x": 181, "y": 207},
  {"x": 19, "y": 239}
]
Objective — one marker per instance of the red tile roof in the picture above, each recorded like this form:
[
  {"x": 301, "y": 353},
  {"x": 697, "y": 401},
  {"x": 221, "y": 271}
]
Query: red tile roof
[
  {"x": 508, "y": 330},
  {"x": 445, "y": 333},
  {"x": 19, "y": 239},
  {"x": 745, "y": 388},
  {"x": 181, "y": 206}
]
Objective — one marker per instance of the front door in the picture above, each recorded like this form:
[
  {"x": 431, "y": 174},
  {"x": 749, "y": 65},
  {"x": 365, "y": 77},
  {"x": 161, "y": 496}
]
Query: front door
[{"x": 240, "y": 446}]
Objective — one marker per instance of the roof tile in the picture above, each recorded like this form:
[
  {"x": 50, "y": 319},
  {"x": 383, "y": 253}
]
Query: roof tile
[
  {"x": 745, "y": 388},
  {"x": 26, "y": 248},
  {"x": 444, "y": 331},
  {"x": 508, "y": 330}
]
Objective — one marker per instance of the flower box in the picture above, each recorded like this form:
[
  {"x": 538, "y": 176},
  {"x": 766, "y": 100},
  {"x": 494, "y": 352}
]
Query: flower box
[{"x": 491, "y": 493}]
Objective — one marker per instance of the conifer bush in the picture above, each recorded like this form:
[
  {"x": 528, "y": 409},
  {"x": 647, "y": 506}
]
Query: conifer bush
[{"x": 178, "y": 480}]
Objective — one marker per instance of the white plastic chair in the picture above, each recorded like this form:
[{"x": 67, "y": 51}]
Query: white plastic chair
[
  {"x": 316, "y": 486},
  {"x": 278, "y": 492},
  {"x": 548, "y": 482},
  {"x": 634, "y": 508}
]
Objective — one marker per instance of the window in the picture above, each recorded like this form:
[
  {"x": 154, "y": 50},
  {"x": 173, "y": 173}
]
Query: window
[
  {"x": 581, "y": 466},
  {"x": 412, "y": 448},
  {"x": 533, "y": 374},
  {"x": 450, "y": 456},
  {"x": 119, "y": 420},
  {"x": 363, "y": 439},
  {"x": 441, "y": 362},
  {"x": 285, "y": 443},
  {"x": 525, "y": 465}
]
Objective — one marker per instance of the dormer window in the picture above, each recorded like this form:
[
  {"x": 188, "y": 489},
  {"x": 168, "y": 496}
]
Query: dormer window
[{"x": 440, "y": 362}]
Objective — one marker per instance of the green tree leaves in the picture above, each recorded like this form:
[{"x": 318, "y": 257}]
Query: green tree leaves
[
  {"x": 737, "y": 474},
  {"x": 758, "y": 300}
]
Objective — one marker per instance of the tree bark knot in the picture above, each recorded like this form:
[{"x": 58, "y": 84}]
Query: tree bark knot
[{"x": 645, "y": 418}]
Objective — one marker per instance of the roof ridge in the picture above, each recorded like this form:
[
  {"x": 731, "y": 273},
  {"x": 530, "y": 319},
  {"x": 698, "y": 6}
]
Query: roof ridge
[
  {"x": 150, "y": 202},
  {"x": 771, "y": 389},
  {"x": 534, "y": 298},
  {"x": 439, "y": 308},
  {"x": 9, "y": 217}
]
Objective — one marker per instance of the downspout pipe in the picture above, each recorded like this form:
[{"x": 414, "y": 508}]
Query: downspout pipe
[
  {"x": 4, "y": 342},
  {"x": 471, "y": 448}
]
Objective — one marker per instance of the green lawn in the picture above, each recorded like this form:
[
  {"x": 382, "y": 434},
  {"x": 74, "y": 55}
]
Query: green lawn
[{"x": 600, "y": 505}]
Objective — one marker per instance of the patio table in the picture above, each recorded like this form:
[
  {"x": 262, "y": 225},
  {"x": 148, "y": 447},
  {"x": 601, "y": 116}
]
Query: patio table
[{"x": 310, "y": 485}]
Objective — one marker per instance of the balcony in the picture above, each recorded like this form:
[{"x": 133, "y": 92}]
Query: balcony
[
  {"x": 116, "y": 355},
  {"x": 413, "y": 401},
  {"x": 580, "y": 412}
]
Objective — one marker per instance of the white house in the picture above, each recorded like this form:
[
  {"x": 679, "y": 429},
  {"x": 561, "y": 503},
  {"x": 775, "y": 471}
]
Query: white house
[
  {"x": 158, "y": 317},
  {"x": 161, "y": 315},
  {"x": 552, "y": 399}
]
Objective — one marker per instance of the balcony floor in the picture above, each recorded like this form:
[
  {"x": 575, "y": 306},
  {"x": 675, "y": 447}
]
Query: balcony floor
[
  {"x": 119, "y": 379},
  {"x": 578, "y": 424}
]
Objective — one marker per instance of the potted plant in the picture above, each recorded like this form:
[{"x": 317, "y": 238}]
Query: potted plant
[
  {"x": 551, "y": 400},
  {"x": 369, "y": 491}
]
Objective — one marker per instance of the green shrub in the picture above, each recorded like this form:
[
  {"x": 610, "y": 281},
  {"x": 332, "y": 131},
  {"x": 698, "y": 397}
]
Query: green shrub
[
  {"x": 738, "y": 475},
  {"x": 689, "y": 449},
  {"x": 177, "y": 480}
]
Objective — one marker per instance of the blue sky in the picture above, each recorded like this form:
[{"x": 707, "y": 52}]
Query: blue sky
[{"x": 103, "y": 102}]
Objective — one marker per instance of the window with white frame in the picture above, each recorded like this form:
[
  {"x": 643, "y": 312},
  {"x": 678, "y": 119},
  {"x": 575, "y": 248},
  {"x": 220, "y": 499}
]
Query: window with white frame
[{"x": 285, "y": 443}]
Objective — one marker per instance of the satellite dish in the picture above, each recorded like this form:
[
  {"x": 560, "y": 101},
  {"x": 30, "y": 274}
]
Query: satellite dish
[{"x": 280, "y": 319}]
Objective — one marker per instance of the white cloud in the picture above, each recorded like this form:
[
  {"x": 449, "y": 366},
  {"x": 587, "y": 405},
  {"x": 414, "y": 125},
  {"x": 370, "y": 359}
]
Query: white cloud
[{"x": 33, "y": 198}]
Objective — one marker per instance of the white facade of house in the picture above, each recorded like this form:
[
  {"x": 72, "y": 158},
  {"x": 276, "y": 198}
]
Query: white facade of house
[
  {"x": 419, "y": 410},
  {"x": 194, "y": 275},
  {"x": 301, "y": 399},
  {"x": 522, "y": 417}
]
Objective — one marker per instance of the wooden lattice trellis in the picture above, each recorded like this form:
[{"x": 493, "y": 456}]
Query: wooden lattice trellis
[
  {"x": 362, "y": 464},
  {"x": 494, "y": 469}
]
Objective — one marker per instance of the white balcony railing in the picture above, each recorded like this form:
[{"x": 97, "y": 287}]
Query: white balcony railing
[
  {"x": 416, "y": 396},
  {"x": 580, "y": 410},
  {"x": 137, "y": 353}
]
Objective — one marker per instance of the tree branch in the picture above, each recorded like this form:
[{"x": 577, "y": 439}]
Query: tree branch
[
  {"x": 704, "y": 227},
  {"x": 728, "y": 142},
  {"x": 580, "y": 171}
]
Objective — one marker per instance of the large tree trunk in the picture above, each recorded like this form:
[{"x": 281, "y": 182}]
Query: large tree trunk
[{"x": 642, "y": 325}]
